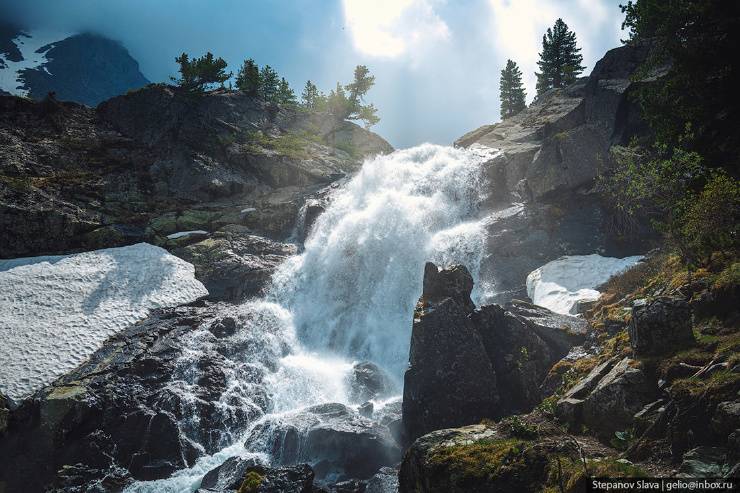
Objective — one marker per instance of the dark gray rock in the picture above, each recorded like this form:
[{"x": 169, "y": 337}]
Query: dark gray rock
[
  {"x": 335, "y": 440},
  {"x": 661, "y": 326},
  {"x": 368, "y": 381},
  {"x": 385, "y": 481},
  {"x": 235, "y": 266},
  {"x": 608, "y": 398},
  {"x": 726, "y": 418},
  {"x": 467, "y": 364},
  {"x": 229, "y": 475}
]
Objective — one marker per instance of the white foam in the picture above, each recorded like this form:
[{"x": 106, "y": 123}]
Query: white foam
[
  {"x": 58, "y": 310},
  {"x": 560, "y": 284},
  {"x": 353, "y": 290}
]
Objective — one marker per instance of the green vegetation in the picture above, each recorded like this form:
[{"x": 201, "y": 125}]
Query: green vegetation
[
  {"x": 520, "y": 428},
  {"x": 512, "y": 93},
  {"x": 560, "y": 59},
  {"x": 248, "y": 78},
  {"x": 683, "y": 176},
  {"x": 509, "y": 460},
  {"x": 251, "y": 483},
  {"x": 201, "y": 73}
]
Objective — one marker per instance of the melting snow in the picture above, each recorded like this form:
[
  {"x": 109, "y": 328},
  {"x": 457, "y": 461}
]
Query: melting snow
[
  {"x": 181, "y": 234},
  {"x": 560, "y": 284},
  {"x": 58, "y": 310}
]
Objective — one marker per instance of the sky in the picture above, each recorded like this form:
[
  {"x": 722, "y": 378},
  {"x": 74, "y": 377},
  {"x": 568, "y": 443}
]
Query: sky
[{"x": 437, "y": 62}]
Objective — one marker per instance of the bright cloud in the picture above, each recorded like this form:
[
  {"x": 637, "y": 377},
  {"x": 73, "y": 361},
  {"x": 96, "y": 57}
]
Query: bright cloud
[{"x": 392, "y": 28}]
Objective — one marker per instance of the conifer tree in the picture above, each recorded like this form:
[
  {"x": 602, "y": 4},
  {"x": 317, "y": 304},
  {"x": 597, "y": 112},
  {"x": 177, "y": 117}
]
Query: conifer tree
[
  {"x": 285, "y": 94},
  {"x": 201, "y": 73},
  {"x": 512, "y": 93},
  {"x": 560, "y": 59},
  {"x": 269, "y": 87},
  {"x": 248, "y": 78},
  {"x": 309, "y": 96}
]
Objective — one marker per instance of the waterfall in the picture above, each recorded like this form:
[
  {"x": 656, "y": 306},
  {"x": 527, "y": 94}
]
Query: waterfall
[
  {"x": 352, "y": 290},
  {"x": 349, "y": 296}
]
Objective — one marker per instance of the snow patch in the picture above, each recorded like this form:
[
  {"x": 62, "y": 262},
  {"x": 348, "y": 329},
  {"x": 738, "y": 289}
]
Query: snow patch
[
  {"x": 560, "y": 284},
  {"x": 58, "y": 310},
  {"x": 28, "y": 43},
  {"x": 182, "y": 234}
]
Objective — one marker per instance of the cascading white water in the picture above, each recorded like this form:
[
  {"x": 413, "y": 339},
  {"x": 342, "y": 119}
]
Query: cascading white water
[
  {"x": 353, "y": 289},
  {"x": 350, "y": 295}
]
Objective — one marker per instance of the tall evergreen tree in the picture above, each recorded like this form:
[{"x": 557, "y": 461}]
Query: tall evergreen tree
[
  {"x": 560, "y": 59},
  {"x": 512, "y": 93},
  {"x": 357, "y": 89},
  {"x": 269, "y": 84},
  {"x": 248, "y": 78},
  {"x": 309, "y": 95},
  {"x": 285, "y": 93}
]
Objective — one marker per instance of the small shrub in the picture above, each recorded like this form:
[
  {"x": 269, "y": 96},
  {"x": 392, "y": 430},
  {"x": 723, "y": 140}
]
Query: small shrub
[
  {"x": 251, "y": 483},
  {"x": 519, "y": 428}
]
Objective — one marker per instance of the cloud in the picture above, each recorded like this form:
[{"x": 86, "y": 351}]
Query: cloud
[{"x": 393, "y": 28}]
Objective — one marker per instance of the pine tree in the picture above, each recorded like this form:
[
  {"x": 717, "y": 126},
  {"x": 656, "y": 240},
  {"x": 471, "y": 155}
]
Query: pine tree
[
  {"x": 309, "y": 96},
  {"x": 269, "y": 87},
  {"x": 560, "y": 59},
  {"x": 248, "y": 78},
  {"x": 200, "y": 73},
  {"x": 285, "y": 94},
  {"x": 512, "y": 93},
  {"x": 357, "y": 89},
  {"x": 337, "y": 102}
]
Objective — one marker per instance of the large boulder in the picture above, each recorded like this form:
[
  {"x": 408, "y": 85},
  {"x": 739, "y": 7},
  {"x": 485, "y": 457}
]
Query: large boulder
[
  {"x": 234, "y": 265},
  {"x": 367, "y": 382},
  {"x": 660, "y": 326},
  {"x": 335, "y": 440},
  {"x": 608, "y": 398},
  {"x": 467, "y": 364}
]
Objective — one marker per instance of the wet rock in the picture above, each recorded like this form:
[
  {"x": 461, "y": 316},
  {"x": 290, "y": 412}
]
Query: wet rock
[
  {"x": 229, "y": 475},
  {"x": 223, "y": 327},
  {"x": 660, "y": 326},
  {"x": 385, "y": 481},
  {"x": 124, "y": 407},
  {"x": 366, "y": 409},
  {"x": 336, "y": 441},
  {"x": 455, "y": 282},
  {"x": 368, "y": 381}
]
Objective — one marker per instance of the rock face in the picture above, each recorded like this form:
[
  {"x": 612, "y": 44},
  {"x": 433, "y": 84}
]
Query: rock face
[
  {"x": 660, "y": 326},
  {"x": 467, "y": 364},
  {"x": 543, "y": 181},
  {"x": 169, "y": 168}
]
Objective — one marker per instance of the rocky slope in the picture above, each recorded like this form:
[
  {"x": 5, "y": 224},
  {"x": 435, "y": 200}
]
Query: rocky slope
[
  {"x": 543, "y": 182},
  {"x": 655, "y": 392},
  {"x": 84, "y": 68},
  {"x": 226, "y": 172}
]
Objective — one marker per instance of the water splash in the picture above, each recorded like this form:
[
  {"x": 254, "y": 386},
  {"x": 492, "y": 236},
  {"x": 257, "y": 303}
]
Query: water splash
[{"x": 353, "y": 289}]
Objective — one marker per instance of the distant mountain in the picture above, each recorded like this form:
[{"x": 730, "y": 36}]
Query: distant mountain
[{"x": 86, "y": 68}]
